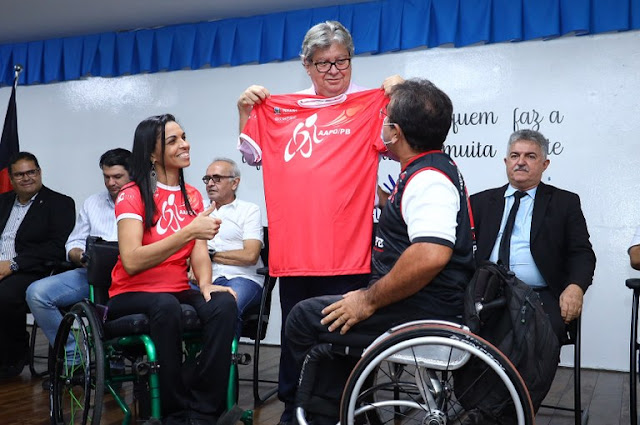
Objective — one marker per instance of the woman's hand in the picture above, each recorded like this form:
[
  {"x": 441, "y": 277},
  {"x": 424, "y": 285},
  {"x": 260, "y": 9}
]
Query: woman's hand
[
  {"x": 203, "y": 226},
  {"x": 209, "y": 288}
]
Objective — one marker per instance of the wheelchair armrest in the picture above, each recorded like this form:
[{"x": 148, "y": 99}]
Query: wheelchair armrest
[{"x": 59, "y": 266}]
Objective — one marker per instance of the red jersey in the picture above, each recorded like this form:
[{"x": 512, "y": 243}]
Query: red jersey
[
  {"x": 172, "y": 215},
  {"x": 320, "y": 159}
]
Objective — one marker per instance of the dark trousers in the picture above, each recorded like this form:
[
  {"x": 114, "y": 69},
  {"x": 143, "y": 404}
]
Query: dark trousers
[
  {"x": 204, "y": 392},
  {"x": 294, "y": 289},
  {"x": 551, "y": 306},
  {"x": 304, "y": 331},
  {"x": 13, "y": 312}
]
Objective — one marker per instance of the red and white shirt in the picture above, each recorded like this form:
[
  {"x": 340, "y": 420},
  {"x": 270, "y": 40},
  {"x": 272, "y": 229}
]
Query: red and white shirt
[
  {"x": 320, "y": 159},
  {"x": 172, "y": 215}
]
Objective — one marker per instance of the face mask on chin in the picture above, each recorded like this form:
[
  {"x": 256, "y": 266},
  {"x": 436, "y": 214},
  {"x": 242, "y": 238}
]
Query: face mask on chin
[
  {"x": 382, "y": 138},
  {"x": 388, "y": 153}
]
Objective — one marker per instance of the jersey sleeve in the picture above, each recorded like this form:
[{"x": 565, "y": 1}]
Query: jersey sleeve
[
  {"x": 78, "y": 236},
  {"x": 380, "y": 101},
  {"x": 129, "y": 204},
  {"x": 249, "y": 141},
  {"x": 430, "y": 206}
]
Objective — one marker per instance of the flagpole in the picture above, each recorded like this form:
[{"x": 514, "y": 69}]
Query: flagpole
[
  {"x": 17, "y": 69},
  {"x": 9, "y": 144}
]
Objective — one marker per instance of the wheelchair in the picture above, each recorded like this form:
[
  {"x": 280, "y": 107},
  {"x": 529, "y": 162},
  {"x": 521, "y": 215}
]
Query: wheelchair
[
  {"x": 110, "y": 353},
  {"x": 411, "y": 375}
]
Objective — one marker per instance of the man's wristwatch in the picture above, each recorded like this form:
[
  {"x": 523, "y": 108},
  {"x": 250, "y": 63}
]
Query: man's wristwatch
[{"x": 13, "y": 265}]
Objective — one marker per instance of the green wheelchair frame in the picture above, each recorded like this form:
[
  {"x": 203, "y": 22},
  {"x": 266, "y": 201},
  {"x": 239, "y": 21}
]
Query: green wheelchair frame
[{"x": 78, "y": 384}]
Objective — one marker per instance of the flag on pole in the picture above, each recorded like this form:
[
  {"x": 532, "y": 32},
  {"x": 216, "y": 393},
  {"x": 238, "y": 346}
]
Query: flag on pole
[{"x": 9, "y": 143}]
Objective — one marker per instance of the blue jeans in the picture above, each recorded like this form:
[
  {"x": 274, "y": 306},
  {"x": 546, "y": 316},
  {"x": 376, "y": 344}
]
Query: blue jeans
[
  {"x": 46, "y": 296},
  {"x": 249, "y": 294}
]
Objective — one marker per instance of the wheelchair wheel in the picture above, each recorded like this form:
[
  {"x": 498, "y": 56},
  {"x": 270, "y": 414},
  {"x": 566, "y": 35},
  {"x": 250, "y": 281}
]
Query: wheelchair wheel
[
  {"x": 411, "y": 377},
  {"x": 78, "y": 379}
]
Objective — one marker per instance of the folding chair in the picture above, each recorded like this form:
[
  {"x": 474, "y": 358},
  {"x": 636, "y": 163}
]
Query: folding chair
[
  {"x": 255, "y": 321},
  {"x": 581, "y": 416}
]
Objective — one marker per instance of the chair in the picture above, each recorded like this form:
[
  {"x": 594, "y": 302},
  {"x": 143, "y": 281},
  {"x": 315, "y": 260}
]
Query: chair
[
  {"x": 56, "y": 267},
  {"x": 633, "y": 284},
  {"x": 33, "y": 356},
  {"x": 254, "y": 326},
  {"x": 581, "y": 416},
  {"x": 79, "y": 383}
]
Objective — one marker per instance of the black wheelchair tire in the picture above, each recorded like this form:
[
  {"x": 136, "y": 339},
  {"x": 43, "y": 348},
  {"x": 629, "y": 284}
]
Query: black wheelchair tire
[{"x": 77, "y": 392}]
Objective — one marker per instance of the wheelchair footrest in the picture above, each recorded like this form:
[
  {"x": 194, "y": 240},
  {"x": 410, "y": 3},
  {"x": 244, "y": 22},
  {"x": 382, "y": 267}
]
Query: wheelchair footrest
[{"x": 230, "y": 417}]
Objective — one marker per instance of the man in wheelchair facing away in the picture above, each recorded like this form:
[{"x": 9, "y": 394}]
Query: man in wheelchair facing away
[{"x": 423, "y": 249}]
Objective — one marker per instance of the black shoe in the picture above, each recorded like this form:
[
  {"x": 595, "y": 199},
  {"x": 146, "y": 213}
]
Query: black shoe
[
  {"x": 177, "y": 418},
  {"x": 477, "y": 417},
  {"x": 12, "y": 370},
  {"x": 46, "y": 384},
  {"x": 201, "y": 421},
  {"x": 195, "y": 418},
  {"x": 287, "y": 415}
]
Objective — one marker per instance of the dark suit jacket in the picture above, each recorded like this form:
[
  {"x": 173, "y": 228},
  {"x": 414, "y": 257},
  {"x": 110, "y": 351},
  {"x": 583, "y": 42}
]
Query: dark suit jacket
[
  {"x": 43, "y": 232},
  {"x": 559, "y": 238}
]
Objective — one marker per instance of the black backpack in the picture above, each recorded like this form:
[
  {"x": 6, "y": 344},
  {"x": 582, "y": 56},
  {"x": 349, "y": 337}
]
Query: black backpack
[{"x": 507, "y": 312}]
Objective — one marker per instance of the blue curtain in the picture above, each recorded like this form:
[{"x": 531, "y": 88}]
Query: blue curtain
[{"x": 377, "y": 27}]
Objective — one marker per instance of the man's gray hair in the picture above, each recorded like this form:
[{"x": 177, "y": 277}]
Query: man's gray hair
[
  {"x": 322, "y": 36},
  {"x": 531, "y": 136},
  {"x": 234, "y": 167}
]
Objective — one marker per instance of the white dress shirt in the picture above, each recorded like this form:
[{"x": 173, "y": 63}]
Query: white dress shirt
[
  {"x": 96, "y": 218},
  {"x": 8, "y": 239},
  {"x": 520, "y": 257},
  {"x": 241, "y": 221}
]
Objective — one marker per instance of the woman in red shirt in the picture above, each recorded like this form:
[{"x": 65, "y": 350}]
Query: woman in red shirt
[{"x": 161, "y": 224}]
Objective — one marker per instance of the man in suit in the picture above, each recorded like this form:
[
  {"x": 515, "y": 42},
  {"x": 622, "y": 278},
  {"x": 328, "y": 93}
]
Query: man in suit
[
  {"x": 549, "y": 247},
  {"x": 35, "y": 223}
]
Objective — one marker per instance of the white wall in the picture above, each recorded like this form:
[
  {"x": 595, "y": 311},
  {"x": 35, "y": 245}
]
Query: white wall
[{"x": 590, "y": 82}]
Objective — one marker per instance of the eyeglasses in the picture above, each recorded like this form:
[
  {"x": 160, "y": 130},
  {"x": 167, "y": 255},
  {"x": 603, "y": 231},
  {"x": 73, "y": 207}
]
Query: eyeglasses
[
  {"x": 325, "y": 66},
  {"x": 216, "y": 178},
  {"x": 19, "y": 175},
  {"x": 383, "y": 115}
]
